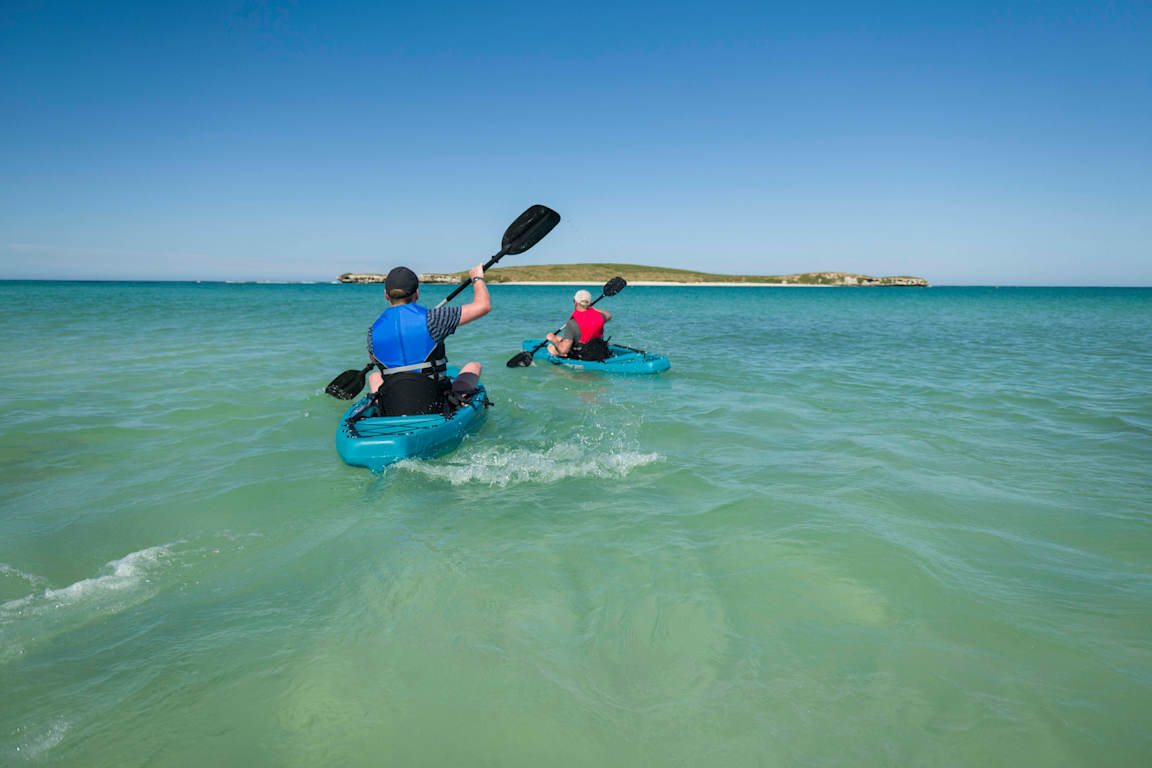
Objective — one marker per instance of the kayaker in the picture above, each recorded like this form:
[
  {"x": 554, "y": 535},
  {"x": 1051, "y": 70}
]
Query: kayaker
[
  {"x": 407, "y": 344},
  {"x": 579, "y": 335}
]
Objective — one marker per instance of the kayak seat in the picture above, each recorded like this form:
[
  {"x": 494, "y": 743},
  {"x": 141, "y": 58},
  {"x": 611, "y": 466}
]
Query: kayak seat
[
  {"x": 593, "y": 349},
  {"x": 412, "y": 394}
]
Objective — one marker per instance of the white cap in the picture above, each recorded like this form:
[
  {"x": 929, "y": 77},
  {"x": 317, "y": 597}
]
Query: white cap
[{"x": 583, "y": 297}]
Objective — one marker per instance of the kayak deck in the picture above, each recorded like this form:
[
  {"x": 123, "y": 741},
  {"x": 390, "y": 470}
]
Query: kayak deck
[
  {"x": 377, "y": 441},
  {"x": 624, "y": 360}
]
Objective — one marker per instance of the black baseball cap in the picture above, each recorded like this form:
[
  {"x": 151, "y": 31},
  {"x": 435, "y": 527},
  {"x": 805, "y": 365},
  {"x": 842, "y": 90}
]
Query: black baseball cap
[{"x": 401, "y": 283}]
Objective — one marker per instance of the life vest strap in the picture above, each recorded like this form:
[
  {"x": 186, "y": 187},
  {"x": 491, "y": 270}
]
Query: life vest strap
[{"x": 437, "y": 366}]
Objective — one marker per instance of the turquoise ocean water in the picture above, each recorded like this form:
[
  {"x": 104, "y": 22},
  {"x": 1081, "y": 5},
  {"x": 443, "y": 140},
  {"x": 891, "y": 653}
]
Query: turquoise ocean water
[{"x": 856, "y": 527}]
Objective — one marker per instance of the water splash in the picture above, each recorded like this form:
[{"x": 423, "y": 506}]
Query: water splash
[{"x": 502, "y": 468}]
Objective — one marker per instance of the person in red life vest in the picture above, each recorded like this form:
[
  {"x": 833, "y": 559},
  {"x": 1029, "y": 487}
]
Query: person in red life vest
[
  {"x": 585, "y": 324},
  {"x": 407, "y": 345}
]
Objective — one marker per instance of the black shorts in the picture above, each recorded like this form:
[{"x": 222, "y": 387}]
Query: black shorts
[{"x": 465, "y": 383}]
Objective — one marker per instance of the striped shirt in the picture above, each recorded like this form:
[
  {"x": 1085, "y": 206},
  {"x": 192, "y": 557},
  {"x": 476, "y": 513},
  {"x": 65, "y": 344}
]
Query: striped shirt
[{"x": 443, "y": 322}]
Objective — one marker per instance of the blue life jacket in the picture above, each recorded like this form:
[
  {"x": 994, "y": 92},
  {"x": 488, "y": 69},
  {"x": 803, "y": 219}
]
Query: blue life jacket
[
  {"x": 400, "y": 339},
  {"x": 412, "y": 363}
]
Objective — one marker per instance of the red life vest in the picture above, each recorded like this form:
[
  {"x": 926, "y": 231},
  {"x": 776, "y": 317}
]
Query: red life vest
[{"x": 591, "y": 324}]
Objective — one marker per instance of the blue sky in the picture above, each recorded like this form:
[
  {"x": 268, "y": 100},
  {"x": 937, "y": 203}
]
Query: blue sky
[{"x": 970, "y": 143}]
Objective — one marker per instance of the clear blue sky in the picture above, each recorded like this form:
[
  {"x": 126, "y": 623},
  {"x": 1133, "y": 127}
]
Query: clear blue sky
[{"x": 970, "y": 142}]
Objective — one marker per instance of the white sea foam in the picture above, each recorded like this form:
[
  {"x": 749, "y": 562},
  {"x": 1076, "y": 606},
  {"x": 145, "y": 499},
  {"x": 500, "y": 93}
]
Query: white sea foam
[
  {"x": 119, "y": 575},
  {"x": 36, "y": 744},
  {"x": 122, "y": 574},
  {"x": 35, "y": 617},
  {"x": 7, "y": 571},
  {"x": 502, "y": 468}
]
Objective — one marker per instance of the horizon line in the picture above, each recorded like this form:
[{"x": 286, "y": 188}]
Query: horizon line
[{"x": 643, "y": 284}]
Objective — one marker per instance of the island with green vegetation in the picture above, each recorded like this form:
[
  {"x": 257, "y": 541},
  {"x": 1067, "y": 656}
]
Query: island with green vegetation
[{"x": 640, "y": 274}]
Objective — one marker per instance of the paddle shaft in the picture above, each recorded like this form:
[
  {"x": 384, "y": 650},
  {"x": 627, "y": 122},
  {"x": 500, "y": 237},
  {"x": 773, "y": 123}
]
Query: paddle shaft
[{"x": 468, "y": 280}]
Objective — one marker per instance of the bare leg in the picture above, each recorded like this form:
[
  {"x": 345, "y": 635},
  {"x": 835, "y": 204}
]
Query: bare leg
[
  {"x": 559, "y": 346},
  {"x": 468, "y": 382}
]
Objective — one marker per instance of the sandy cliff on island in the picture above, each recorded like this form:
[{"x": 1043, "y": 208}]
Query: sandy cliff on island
[
  {"x": 372, "y": 277},
  {"x": 640, "y": 274},
  {"x": 361, "y": 277}
]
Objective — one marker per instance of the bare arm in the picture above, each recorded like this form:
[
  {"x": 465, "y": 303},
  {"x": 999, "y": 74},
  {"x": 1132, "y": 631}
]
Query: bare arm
[
  {"x": 607, "y": 315},
  {"x": 481, "y": 303}
]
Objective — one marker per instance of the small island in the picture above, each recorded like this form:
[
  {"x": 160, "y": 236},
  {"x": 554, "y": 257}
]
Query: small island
[{"x": 640, "y": 275}]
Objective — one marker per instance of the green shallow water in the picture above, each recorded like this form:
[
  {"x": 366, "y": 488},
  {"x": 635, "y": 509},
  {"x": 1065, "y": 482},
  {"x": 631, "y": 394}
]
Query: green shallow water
[{"x": 849, "y": 527}]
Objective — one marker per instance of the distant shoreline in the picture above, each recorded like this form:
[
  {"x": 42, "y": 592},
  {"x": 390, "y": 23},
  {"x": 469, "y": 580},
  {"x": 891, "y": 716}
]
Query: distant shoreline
[
  {"x": 216, "y": 281},
  {"x": 670, "y": 284},
  {"x": 639, "y": 274}
]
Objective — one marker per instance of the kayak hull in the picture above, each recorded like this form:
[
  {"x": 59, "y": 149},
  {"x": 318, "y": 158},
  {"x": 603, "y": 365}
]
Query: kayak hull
[
  {"x": 623, "y": 360},
  {"x": 377, "y": 441}
]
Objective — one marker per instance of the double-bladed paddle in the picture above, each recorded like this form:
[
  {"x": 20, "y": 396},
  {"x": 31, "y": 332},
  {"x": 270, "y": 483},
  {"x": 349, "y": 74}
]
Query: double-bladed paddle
[
  {"x": 524, "y": 359},
  {"x": 529, "y": 228}
]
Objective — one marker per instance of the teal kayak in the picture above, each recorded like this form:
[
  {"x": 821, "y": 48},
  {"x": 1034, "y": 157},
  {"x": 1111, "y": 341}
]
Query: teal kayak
[
  {"x": 621, "y": 360},
  {"x": 377, "y": 441}
]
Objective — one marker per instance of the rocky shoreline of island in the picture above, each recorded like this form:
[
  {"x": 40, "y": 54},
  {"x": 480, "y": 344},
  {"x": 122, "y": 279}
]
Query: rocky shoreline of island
[{"x": 582, "y": 274}]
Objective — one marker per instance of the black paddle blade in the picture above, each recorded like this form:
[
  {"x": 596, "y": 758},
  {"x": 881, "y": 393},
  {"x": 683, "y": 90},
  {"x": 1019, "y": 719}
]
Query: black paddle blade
[
  {"x": 614, "y": 286},
  {"x": 347, "y": 385},
  {"x": 521, "y": 360},
  {"x": 529, "y": 229}
]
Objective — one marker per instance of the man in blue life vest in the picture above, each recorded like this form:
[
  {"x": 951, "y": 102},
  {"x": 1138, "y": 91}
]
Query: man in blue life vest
[
  {"x": 407, "y": 345},
  {"x": 584, "y": 326}
]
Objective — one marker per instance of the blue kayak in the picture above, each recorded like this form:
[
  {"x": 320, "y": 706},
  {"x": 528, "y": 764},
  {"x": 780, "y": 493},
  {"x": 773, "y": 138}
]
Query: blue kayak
[
  {"x": 621, "y": 360},
  {"x": 377, "y": 441}
]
